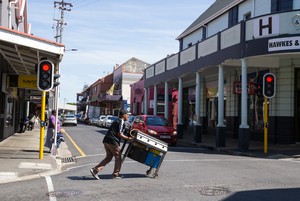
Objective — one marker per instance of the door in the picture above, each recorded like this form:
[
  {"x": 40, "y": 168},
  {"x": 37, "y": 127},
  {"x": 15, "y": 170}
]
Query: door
[{"x": 297, "y": 105}]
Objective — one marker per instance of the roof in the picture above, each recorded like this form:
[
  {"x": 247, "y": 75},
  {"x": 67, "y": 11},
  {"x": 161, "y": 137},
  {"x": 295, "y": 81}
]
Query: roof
[
  {"x": 23, "y": 51},
  {"x": 215, "y": 10}
]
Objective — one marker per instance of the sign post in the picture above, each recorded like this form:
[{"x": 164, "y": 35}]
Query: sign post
[{"x": 42, "y": 129}]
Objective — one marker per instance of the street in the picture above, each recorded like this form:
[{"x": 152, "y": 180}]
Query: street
[{"x": 186, "y": 174}]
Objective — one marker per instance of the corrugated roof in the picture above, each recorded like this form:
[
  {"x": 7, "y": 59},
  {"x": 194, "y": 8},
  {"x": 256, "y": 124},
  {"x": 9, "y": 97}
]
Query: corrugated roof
[{"x": 211, "y": 13}]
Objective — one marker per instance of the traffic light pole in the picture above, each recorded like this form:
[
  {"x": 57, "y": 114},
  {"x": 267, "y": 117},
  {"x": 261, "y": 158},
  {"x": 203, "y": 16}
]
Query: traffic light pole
[
  {"x": 42, "y": 129},
  {"x": 266, "y": 125}
]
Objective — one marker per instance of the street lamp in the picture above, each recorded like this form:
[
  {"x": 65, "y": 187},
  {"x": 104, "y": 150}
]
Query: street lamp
[{"x": 71, "y": 50}]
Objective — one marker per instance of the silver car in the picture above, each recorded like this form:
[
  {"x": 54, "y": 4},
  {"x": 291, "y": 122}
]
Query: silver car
[
  {"x": 69, "y": 120},
  {"x": 108, "y": 120},
  {"x": 101, "y": 121}
]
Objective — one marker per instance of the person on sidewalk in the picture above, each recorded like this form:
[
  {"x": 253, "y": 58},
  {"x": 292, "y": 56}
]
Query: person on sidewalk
[
  {"x": 111, "y": 143},
  {"x": 51, "y": 130}
]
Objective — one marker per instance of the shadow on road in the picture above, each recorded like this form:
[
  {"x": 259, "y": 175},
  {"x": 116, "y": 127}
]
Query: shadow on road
[
  {"x": 106, "y": 176},
  {"x": 288, "y": 194}
]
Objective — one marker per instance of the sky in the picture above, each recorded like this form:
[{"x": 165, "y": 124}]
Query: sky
[{"x": 109, "y": 32}]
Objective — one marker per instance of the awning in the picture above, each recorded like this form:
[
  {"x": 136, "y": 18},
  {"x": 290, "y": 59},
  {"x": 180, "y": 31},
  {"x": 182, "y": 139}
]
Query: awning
[{"x": 23, "y": 51}]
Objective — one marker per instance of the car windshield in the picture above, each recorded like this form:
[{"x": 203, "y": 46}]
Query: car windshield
[
  {"x": 70, "y": 116},
  {"x": 157, "y": 121}
]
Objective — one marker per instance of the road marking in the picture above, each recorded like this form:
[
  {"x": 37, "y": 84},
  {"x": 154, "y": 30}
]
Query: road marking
[
  {"x": 42, "y": 166},
  {"x": 8, "y": 176},
  {"x": 50, "y": 188},
  {"x": 75, "y": 145}
]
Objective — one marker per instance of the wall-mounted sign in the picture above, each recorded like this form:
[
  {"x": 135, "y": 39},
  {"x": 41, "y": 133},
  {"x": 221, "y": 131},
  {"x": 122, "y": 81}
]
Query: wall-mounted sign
[
  {"x": 267, "y": 25},
  {"x": 27, "y": 81},
  {"x": 277, "y": 44},
  {"x": 237, "y": 88},
  {"x": 296, "y": 21}
]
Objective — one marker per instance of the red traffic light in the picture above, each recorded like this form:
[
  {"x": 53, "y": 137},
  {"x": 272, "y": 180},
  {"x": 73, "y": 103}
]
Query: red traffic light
[
  {"x": 269, "y": 79},
  {"x": 46, "y": 67}
]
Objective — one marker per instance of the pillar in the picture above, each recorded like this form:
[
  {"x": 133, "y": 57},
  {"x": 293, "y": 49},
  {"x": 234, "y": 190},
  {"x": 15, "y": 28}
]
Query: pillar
[{"x": 221, "y": 128}]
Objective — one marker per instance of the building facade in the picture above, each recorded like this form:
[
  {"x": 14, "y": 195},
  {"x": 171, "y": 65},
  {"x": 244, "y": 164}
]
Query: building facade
[
  {"x": 112, "y": 92},
  {"x": 223, "y": 56},
  {"x": 20, "y": 52}
]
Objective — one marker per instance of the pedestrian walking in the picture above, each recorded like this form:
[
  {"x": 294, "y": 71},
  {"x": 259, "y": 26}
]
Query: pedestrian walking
[
  {"x": 51, "y": 130},
  {"x": 111, "y": 143}
]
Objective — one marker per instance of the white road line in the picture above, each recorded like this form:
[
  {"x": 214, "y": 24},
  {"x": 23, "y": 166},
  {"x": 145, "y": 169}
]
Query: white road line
[{"x": 50, "y": 188}]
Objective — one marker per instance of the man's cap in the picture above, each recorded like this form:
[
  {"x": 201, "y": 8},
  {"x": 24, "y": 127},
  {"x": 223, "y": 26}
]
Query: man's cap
[{"x": 122, "y": 112}]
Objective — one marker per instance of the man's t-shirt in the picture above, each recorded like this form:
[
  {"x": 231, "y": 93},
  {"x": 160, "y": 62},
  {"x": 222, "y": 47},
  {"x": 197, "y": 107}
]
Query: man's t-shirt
[{"x": 111, "y": 136}]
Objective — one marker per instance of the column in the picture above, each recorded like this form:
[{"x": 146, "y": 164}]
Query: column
[
  {"x": 198, "y": 126},
  {"x": 166, "y": 100},
  {"x": 155, "y": 100},
  {"x": 243, "y": 144},
  {"x": 221, "y": 129},
  {"x": 180, "y": 102},
  {"x": 146, "y": 101}
]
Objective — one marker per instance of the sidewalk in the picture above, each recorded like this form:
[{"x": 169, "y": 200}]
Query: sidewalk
[
  {"x": 256, "y": 149},
  {"x": 19, "y": 157}
]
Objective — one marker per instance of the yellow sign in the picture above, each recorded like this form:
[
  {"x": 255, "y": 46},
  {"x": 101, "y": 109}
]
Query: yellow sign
[{"x": 27, "y": 81}]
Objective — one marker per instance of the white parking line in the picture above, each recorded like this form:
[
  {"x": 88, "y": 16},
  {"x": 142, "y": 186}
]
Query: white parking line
[{"x": 50, "y": 188}]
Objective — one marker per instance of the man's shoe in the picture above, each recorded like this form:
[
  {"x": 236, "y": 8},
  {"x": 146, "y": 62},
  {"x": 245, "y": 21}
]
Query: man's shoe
[
  {"x": 94, "y": 172},
  {"x": 119, "y": 176}
]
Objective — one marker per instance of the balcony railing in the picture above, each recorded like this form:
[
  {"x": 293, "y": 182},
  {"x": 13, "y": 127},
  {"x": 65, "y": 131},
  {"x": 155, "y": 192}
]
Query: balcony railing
[{"x": 224, "y": 39}]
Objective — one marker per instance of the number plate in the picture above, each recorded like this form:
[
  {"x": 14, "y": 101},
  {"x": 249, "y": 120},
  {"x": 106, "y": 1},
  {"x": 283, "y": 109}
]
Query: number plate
[{"x": 165, "y": 137}]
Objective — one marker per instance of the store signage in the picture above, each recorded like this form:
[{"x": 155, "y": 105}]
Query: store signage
[
  {"x": 265, "y": 26},
  {"x": 237, "y": 88},
  {"x": 277, "y": 44},
  {"x": 27, "y": 81}
]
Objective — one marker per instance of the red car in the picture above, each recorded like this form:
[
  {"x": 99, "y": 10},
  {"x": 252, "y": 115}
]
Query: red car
[{"x": 157, "y": 127}]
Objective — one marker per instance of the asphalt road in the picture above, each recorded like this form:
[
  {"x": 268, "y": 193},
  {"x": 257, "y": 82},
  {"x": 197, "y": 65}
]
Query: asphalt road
[{"x": 185, "y": 174}]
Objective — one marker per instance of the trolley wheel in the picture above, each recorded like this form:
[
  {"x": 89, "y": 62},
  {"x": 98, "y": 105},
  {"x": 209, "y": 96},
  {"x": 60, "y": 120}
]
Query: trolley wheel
[
  {"x": 148, "y": 172},
  {"x": 155, "y": 175}
]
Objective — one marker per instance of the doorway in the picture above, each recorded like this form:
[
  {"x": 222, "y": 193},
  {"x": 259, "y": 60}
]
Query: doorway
[{"x": 297, "y": 104}]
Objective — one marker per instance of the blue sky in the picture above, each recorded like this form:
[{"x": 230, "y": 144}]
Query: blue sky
[{"x": 111, "y": 32}]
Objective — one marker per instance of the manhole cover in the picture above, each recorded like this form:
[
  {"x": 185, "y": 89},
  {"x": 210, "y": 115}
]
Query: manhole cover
[
  {"x": 214, "y": 191},
  {"x": 66, "y": 193}
]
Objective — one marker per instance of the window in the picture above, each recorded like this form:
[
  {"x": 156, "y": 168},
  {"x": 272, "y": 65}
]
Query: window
[
  {"x": 233, "y": 16},
  {"x": 281, "y": 5},
  {"x": 204, "y": 31},
  {"x": 247, "y": 16},
  {"x": 190, "y": 45}
]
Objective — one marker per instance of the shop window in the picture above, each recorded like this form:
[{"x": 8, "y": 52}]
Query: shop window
[{"x": 160, "y": 108}]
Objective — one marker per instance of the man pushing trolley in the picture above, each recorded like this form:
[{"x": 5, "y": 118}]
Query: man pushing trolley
[{"x": 146, "y": 150}]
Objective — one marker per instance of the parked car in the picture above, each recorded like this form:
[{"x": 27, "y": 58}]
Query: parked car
[
  {"x": 108, "y": 120},
  {"x": 94, "y": 120},
  {"x": 157, "y": 127},
  {"x": 101, "y": 120},
  {"x": 128, "y": 123},
  {"x": 69, "y": 120}
]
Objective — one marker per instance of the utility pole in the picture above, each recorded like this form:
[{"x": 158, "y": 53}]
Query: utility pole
[{"x": 63, "y": 6}]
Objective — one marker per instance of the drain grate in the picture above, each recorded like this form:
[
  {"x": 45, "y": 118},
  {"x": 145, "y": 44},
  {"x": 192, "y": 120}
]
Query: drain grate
[
  {"x": 69, "y": 160},
  {"x": 65, "y": 193},
  {"x": 214, "y": 191}
]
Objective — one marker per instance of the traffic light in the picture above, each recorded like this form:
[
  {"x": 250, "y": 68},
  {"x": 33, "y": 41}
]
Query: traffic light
[
  {"x": 56, "y": 83},
  {"x": 45, "y": 73},
  {"x": 259, "y": 89},
  {"x": 269, "y": 85}
]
